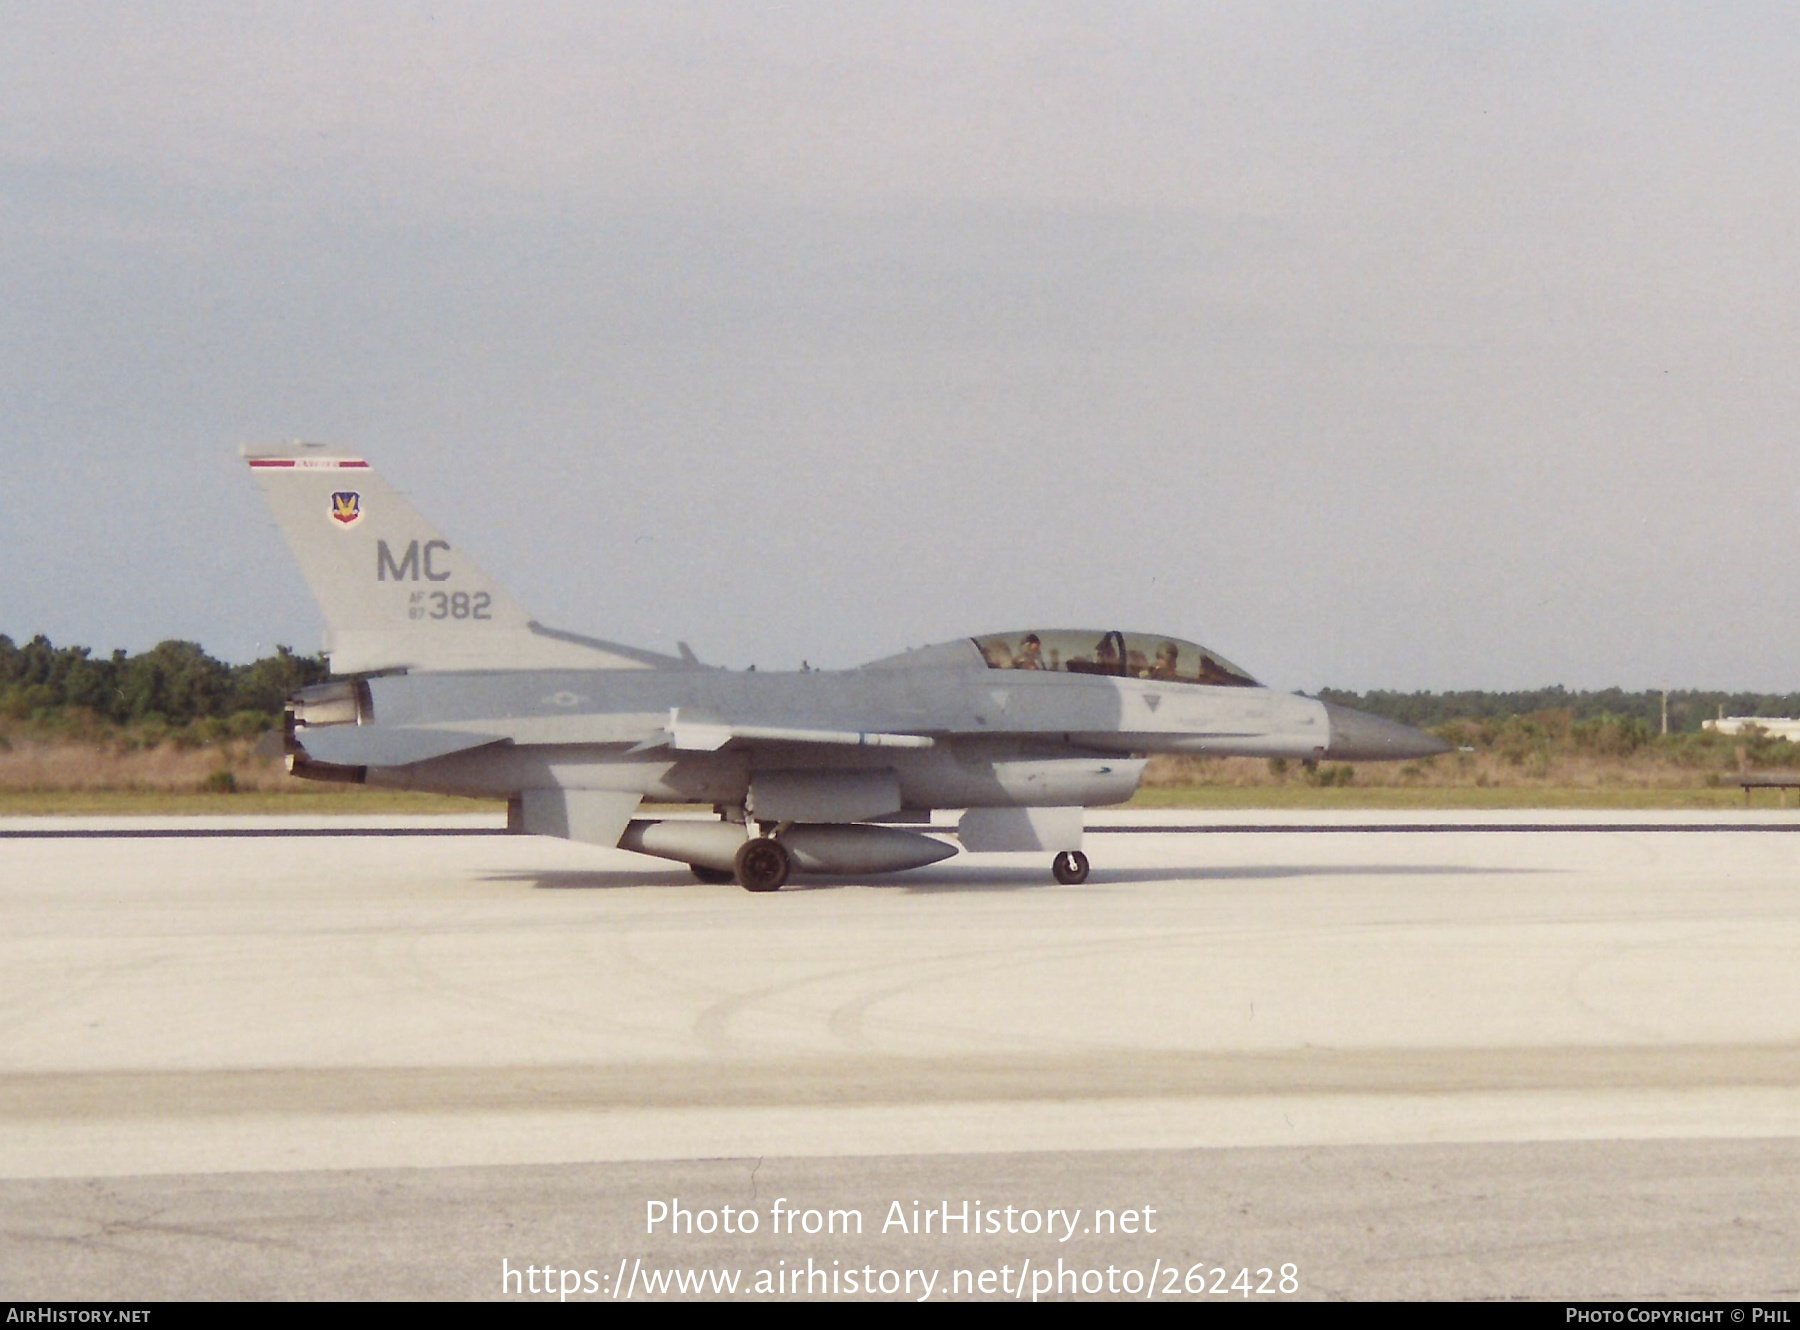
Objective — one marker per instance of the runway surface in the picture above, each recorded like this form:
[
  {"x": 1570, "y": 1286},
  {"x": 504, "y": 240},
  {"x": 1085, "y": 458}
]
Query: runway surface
[{"x": 1447, "y": 1062}]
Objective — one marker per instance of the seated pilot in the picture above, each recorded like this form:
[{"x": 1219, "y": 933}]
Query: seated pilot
[
  {"x": 1031, "y": 654},
  {"x": 1082, "y": 665},
  {"x": 1168, "y": 656}
]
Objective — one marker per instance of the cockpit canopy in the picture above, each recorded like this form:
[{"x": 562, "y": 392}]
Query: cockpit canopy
[{"x": 1123, "y": 655}]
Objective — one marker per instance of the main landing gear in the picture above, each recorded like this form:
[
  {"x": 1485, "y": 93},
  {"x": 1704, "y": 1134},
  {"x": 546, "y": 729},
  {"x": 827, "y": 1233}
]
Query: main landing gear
[
  {"x": 763, "y": 864},
  {"x": 1070, "y": 868}
]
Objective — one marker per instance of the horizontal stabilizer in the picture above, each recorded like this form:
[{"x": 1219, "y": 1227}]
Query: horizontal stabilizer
[{"x": 378, "y": 746}]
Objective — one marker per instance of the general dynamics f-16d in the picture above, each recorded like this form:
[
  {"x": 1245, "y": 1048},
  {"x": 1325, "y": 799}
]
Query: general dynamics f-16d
[{"x": 463, "y": 692}]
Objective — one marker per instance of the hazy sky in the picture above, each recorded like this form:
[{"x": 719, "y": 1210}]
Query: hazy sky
[{"x": 1407, "y": 345}]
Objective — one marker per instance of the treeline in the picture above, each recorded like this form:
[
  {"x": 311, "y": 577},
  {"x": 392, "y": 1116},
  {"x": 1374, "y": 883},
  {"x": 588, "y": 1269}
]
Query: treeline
[
  {"x": 1688, "y": 708},
  {"x": 174, "y": 685}
]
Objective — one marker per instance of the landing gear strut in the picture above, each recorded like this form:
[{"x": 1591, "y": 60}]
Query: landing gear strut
[
  {"x": 1070, "y": 868},
  {"x": 763, "y": 864}
]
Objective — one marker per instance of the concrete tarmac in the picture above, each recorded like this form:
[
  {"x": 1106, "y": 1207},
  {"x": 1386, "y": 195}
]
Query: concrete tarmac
[{"x": 1469, "y": 1062}]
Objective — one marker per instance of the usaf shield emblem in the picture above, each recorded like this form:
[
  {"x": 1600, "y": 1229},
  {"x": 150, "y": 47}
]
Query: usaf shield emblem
[{"x": 346, "y": 507}]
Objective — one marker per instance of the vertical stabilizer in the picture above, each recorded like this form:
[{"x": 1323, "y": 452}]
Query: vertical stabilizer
[{"x": 394, "y": 592}]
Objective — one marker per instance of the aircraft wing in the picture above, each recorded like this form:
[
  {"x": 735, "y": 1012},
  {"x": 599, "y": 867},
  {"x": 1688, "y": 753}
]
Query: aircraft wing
[{"x": 705, "y": 736}]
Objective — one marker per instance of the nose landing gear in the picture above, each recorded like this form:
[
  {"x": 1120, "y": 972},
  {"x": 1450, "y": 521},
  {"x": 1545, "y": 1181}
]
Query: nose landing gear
[{"x": 1070, "y": 868}]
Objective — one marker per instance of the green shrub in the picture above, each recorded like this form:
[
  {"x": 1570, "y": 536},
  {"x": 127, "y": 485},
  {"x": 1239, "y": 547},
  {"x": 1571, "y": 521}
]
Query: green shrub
[
  {"x": 249, "y": 724},
  {"x": 203, "y": 732},
  {"x": 1770, "y": 752},
  {"x": 152, "y": 731},
  {"x": 1611, "y": 736}
]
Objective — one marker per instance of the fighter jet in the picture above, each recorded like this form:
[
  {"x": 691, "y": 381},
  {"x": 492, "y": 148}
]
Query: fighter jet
[{"x": 453, "y": 687}]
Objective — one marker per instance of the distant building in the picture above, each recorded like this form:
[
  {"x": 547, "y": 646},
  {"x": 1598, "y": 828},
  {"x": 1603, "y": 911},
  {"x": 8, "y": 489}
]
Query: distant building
[{"x": 1776, "y": 727}]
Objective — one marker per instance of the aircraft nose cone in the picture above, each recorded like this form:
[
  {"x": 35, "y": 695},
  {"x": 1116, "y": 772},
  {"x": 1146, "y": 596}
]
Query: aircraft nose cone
[{"x": 1358, "y": 736}]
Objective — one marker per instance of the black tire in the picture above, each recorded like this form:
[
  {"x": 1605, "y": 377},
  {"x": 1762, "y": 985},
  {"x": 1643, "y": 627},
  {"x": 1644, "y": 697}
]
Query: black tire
[
  {"x": 1070, "y": 868},
  {"x": 763, "y": 864},
  {"x": 713, "y": 877}
]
